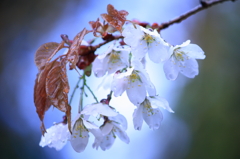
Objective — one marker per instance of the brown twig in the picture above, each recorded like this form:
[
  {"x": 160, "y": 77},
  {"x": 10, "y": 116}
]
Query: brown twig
[
  {"x": 203, "y": 5},
  {"x": 107, "y": 41}
]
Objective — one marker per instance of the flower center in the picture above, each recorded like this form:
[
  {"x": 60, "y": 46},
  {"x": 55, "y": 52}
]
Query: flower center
[
  {"x": 114, "y": 57},
  {"x": 179, "y": 54},
  {"x": 148, "y": 38},
  {"x": 81, "y": 128},
  {"x": 134, "y": 77},
  {"x": 148, "y": 107}
]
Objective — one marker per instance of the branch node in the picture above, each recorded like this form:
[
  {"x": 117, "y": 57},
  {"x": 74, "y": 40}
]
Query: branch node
[{"x": 203, "y": 3}]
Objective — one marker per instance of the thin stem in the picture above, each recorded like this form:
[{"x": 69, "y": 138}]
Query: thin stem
[
  {"x": 85, "y": 84},
  {"x": 109, "y": 96},
  {"x": 80, "y": 105},
  {"x": 203, "y": 5},
  {"x": 74, "y": 90}
]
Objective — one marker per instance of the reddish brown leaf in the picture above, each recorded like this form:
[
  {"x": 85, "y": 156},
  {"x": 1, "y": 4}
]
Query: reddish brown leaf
[
  {"x": 114, "y": 17},
  {"x": 43, "y": 53},
  {"x": 98, "y": 27},
  {"x": 73, "y": 54},
  {"x": 42, "y": 103},
  {"x": 68, "y": 114},
  {"x": 57, "y": 87}
]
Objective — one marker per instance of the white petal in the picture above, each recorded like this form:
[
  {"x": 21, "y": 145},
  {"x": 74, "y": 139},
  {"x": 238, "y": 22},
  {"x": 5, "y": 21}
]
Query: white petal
[
  {"x": 121, "y": 134},
  {"x": 79, "y": 137},
  {"x": 136, "y": 64},
  {"x": 96, "y": 143},
  {"x": 99, "y": 108},
  {"x": 121, "y": 120},
  {"x": 170, "y": 69},
  {"x": 132, "y": 35},
  {"x": 193, "y": 51},
  {"x": 56, "y": 136},
  {"x": 123, "y": 53},
  {"x": 107, "y": 141},
  {"x": 158, "y": 51},
  {"x": 143, "y": 61},
  {"x": 138, "y": 118},
  {"x": 97, "y": 133},
  {"x": 98, "y": 137},
  {"x": 103, "y": 56},
  {"x": 140, "y": 50},
  {"x": 157, "y": 102},
  {"x": 186, "y": 43},
  {"x": 106, "y": 128},
  {"x": 152, "y": 117},
  {"x": 190, "y": 68},
  {"x": 119, "y": 83},
  {"x": 99, "y": 67},
  {"x": 149, "y": 31},
  {"x": 115, "y": 66},
  {"x": 136, "y": 92},
  {"x": 148, "y": 84},
  {"x": 89, "y": 125},
  {"x": 124, "y": 48},
  {"x": 106, "y": 82},
  {"x": 109, "y": 50}
]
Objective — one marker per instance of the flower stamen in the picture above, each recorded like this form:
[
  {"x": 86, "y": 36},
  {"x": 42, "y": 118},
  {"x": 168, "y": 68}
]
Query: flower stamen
[
  {"x": 114, "y": 57},
  {"x": 134, "y": 77},
  {"x": 148, "y": 38}
]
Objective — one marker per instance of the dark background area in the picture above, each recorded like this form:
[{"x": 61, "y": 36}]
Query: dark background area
[
  {"x": 210, "y": 104},
  {"x": 23, "y": 22}
]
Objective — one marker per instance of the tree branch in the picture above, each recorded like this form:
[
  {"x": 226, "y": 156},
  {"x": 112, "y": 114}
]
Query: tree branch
[
  {"x": 116, "y": 37},
  {"x": 203, "y": 5}
]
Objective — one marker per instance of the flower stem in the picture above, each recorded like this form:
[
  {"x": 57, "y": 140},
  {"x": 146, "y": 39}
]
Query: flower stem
[
  {"x": 74, "y": 90},
  {"x": 85, "y": 84},
  {"x": 80, "y": 105}
]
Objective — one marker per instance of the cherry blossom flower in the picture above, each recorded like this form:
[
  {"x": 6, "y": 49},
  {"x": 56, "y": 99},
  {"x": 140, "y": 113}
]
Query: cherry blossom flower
[
  {"x": 134, "y": 80},
  {"x": 56, "y": 136},
  {"x": 79, "y": 138},
  {"x": 113, "y": 59},
  {"x": 149, "y": 111},
  {"x": 183, "y": 60},
  {"x": 98, "y": 109},
  {"x": 112, "y": 127},
  {"x": 144, "y": 41},
  {"x": 81, "y": 128}
]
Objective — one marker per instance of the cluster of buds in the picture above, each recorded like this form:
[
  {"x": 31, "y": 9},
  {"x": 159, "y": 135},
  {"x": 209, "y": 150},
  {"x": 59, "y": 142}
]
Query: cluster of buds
[{"x": 123, "y": 64}]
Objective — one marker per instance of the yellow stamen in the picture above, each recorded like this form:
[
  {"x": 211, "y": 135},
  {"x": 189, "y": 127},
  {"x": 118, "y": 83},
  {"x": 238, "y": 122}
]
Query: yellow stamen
[
  {"x": 148, "y": 38},
  {"x": 179, "y": 54},
  {"x": 133, "y": 77},
  {"x": 150, "y": 110},
  {"x": 114, "y": 57}
]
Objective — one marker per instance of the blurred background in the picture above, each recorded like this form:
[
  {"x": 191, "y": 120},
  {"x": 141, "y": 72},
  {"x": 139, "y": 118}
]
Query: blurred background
[{"x": 207, "y": 109}]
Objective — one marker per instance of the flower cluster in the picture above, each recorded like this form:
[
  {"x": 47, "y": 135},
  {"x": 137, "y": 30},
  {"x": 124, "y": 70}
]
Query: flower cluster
[
  {"x": 114, "y": 124},
  {"x": 123, "y": 64}
]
